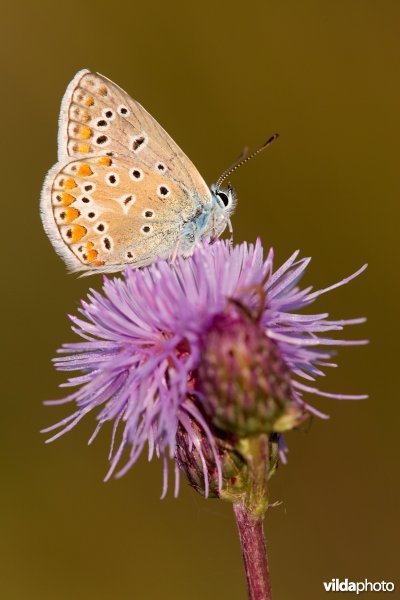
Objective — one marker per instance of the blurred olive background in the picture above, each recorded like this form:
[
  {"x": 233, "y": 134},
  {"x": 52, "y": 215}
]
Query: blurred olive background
[{"x": 218, "y": 76}]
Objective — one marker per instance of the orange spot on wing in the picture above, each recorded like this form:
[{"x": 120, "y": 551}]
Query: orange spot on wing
[
  {"x": 104, "y": 160},
  {"x": 85, "y": 116},
  {"x": 85, "y": 171},
  {"x": 89, "y": 246},
  {"x": 69, "y": 184},
  {"x": 67, "y": 199},
  {"x": 89, "y": 101},
  {"x": 84, "y": 148},
  {"x": 92, "y": 255},
  {"x": 78, "y": 231},
  {"x": 71, "y": 214},
  {"x": 85, "y": 132}
]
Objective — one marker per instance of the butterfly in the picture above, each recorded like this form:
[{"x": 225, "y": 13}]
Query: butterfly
[{"x": 123, "y": 192}]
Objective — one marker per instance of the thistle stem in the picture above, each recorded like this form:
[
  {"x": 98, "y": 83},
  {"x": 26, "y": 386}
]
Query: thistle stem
[
  {"x": 249, "y": 514},
  {"x": 254, "y": 550}
]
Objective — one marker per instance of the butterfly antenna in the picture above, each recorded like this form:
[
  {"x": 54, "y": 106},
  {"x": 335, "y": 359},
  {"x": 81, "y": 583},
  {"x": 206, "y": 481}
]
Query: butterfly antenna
[
  {"x": 239, "y": 159},
  {"x": 244, "y": 159}
]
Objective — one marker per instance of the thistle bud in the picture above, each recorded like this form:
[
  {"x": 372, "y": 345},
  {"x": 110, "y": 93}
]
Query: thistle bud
[
  {"x": 244, "y": 381},
  {"x": 199, "y": 463}
]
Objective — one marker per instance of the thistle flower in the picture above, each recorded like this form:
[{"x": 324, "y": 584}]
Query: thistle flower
[{"x": 151, "y": 358}]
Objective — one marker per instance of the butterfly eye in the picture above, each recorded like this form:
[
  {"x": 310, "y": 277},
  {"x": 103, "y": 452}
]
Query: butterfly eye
[{"x": 225, "y": 199}]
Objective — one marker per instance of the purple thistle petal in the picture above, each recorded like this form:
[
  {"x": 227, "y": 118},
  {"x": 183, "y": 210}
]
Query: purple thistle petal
[
  {"x": 177, "y": 480},
  {"x": 311, "y": 390},
  {"x": 165, "y": 478},
  {"x": 315, "y": 295}
]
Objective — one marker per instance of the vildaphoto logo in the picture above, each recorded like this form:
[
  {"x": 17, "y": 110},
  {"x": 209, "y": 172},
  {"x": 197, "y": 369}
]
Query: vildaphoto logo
[{"x": 337, "y": 585}]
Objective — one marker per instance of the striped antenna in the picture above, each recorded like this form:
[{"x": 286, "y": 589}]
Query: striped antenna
[{"x": 241, "y": 161}]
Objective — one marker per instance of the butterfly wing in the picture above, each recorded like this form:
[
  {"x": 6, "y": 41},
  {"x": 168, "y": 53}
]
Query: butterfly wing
[
  {"x": 98, "y": 214},
  {"x": 98, "y": 117},
  {"x": 102, "y": 213}
]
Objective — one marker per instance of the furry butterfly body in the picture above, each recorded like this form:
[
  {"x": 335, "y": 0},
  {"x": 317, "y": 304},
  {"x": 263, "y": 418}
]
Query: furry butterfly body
[{"x": 123, "y": 192}]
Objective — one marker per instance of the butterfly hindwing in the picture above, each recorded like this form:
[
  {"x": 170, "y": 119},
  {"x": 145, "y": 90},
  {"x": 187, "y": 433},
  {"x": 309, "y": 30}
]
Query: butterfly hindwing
[
  {"x": 103, "y": 213},
  {"x": 98, "y": 117}
]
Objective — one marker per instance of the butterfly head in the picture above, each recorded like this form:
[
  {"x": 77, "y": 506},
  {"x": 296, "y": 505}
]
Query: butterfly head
[
  {"x": 224, "y": 203},
  {"x": 224, "y": 198}
]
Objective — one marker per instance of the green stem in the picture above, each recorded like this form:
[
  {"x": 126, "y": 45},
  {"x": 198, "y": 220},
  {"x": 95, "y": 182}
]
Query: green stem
[{"x": 256, "y": 451}]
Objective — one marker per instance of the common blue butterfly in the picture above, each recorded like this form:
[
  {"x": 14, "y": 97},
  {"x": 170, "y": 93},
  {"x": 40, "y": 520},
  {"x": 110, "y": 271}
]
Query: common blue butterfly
[{"x": 123, "y": 192}]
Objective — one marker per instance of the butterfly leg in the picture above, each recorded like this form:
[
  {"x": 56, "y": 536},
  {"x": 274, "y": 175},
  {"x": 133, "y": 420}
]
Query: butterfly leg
[
  {"x": 175, "y": 252},
  {"x": 181, "y": 239},
  {"x": 230, "y": 230}
]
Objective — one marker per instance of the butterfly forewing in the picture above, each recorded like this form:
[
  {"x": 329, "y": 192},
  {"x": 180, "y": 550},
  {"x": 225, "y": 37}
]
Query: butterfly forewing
[
  {"x": 109, "y": 211},
  {"x": 99, "y": 117}
]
